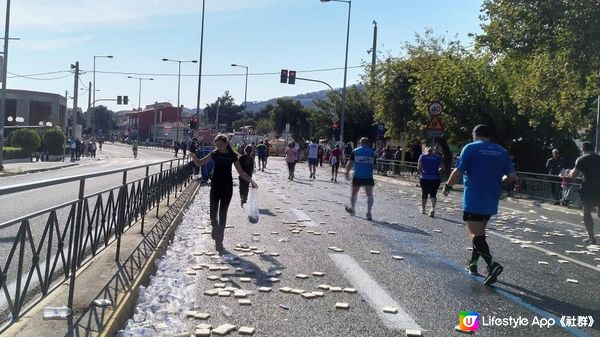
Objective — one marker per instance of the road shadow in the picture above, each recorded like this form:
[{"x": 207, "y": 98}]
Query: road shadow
[
  {"x": 258, "y": 275},
  {"x": 265, "y": 211},
  {"x": 398, "y": 227},
  {"x": 549, "y": 304}
]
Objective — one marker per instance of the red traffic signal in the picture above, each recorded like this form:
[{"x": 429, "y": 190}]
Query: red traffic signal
[
  {"x": 292, "y": 77},
  {"x": 284, "y": 76}
]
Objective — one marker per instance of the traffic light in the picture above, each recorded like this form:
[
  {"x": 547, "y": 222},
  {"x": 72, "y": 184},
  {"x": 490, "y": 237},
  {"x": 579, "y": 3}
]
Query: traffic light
[
  {"x": 119, "y": 100},
  {"x": 284, "y": 76},
  {"x": 125, "y": 100},
  {"x": 292, "y": 77}
]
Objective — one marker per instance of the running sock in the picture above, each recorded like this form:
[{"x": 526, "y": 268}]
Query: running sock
[
  {"x": 423, "y": 203},
  {"x": 370, "y": 201},
  {"x": 482, "y": 248},
  {"x": 433, "y": 202}
]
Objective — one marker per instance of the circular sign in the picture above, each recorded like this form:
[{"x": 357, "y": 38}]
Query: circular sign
[{"x": 435, "y": 109}]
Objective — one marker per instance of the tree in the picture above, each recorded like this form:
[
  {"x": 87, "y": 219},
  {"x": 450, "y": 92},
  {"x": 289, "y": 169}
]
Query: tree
[
  {"x": 290, "y": 111},
  {"x": 228, "y": 111},
  {"x": 102, "y": 117},
  {"x": 264, "y": 126}
]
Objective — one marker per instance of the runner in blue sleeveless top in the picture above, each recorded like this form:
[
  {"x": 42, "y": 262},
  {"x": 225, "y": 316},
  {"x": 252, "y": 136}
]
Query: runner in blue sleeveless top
[
  {"x": 485, "y": 166},
  {"x": 362, "y": 160},
  {"x": 429, "y": 167}
]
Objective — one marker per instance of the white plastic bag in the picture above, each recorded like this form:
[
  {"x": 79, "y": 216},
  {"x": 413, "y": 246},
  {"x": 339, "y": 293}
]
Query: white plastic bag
[{"x": 252, "y": 205}]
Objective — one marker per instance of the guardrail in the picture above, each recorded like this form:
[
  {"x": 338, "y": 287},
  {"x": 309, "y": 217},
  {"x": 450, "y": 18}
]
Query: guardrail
[
  {"x": 531, "y": 185},
  {"x": 76, "y": 231}
]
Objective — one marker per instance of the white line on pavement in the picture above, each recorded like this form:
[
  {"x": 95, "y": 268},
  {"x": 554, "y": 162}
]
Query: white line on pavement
[
  {"x": 544, "y": 250},
  {"x": 374, "y": 294},
  {"x": 300, "y": 215}
]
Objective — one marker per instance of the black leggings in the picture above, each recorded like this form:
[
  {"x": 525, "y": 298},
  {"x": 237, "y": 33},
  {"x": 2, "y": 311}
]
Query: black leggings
[
  {"x": 429, "y": 187},
  {"x": 220, "y": 197}
]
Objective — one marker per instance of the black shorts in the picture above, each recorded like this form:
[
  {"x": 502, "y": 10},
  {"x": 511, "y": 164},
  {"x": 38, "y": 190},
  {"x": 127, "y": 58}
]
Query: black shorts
[
  {"x": 589, "y": 199},
  {"x": 429, "y": 188},
  {"x": 363, "y": 182},
  {"x": 475, "y": 217}
]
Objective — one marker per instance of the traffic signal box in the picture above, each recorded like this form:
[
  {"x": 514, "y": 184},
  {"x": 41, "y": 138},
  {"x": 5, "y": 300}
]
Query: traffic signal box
[
  {"x": 284, "y": 76},
  {"x": 122, "y": 100},
  {"x": 292, "y": 77}
]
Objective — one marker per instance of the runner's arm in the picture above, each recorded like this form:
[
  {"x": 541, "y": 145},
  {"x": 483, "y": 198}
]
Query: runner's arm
[
  {"x": 199, "y": 162},
  {"x": 243, "y": 174}
]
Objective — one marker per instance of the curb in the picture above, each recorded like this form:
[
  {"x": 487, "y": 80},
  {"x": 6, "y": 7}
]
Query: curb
[{"x": 10, "y": 173}]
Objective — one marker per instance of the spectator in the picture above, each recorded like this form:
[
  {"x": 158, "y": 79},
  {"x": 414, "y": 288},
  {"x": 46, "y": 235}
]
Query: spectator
[{"x": 555, "y": 165}]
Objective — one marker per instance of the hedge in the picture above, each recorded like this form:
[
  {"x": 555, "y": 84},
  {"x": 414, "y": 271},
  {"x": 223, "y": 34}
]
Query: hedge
[
  {"x": 13, "y": 153},
  {"x": 27, "y": 139}
]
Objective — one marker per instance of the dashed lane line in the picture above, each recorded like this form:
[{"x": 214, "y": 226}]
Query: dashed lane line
[{"x": 374, "y": 294}]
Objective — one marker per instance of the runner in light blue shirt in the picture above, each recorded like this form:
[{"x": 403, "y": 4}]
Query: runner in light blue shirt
[{"x": 484, "y": 166}]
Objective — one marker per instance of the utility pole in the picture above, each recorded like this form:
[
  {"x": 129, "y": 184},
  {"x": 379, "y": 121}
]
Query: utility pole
[
  {"x": 3, "y": 74},
  {"x": 75, "y": 95},
  {"x": 374, "y": 49},
  {"x": 200, "y": 69},
  {"x": 217, "y": 117}
]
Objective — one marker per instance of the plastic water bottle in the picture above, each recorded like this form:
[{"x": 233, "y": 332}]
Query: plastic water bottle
[
  {"x": 226, "y": 311},
  {"x": 56, "y": 312}
]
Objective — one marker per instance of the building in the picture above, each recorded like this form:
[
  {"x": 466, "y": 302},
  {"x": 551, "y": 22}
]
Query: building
[
  {"x": 147, "y": 123},
  {"x": 34, "y": 107}
]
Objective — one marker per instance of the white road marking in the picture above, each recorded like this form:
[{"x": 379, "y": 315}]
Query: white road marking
[
  {"x": 544, "y": 250},
  {"x": 303, "y": 216},
  {"x": 374, "y": 294}
]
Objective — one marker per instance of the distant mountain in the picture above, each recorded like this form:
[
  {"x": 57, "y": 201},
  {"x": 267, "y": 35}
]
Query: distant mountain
[{"x": 305, "y": 99}]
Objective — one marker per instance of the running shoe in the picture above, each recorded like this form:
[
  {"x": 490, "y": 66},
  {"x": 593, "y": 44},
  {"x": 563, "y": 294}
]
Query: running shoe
[
  {"x": 431, "y": 213},
  {"x": 369, "y": 217},
  {"x": 471, "y": 268},
  {"x": 591, "y": 241},
  {"x": 496, "y": 270},
  {"x": 422, "y": 210},
  {"x": 349, "y": 210}
]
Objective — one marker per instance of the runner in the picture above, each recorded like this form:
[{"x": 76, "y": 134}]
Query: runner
[
  {"x": 347, "y": 153},
  {"x": 429, "y": 167},
  {"x": 588, "y": 165},
  {"x": 247, "y": 163},
  {"x": 334, "y": 160},
  {"x": 221, "y": 187},
  {"x": 485, "y": 166},
  {"x": 313, "y": 153},
  {"x": 134, "y": 147},
  {"x": 362, "y": 160},
  {"x": 261, "y": 152},
  {"x": 290, "y": 158}
]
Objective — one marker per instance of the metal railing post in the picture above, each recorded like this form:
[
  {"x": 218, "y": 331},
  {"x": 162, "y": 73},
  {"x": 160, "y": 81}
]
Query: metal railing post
[
  {"x": 159, "y": 189},
  {"x": 170, "y": 181},
  {"x": 145, "y": 191},
  {"x": 121, "y": 218},
  {"x": 75, "y": 252}
]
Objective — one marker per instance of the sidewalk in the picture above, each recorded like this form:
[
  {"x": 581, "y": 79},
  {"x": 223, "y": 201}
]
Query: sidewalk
[{"x": 16, "y": 168}]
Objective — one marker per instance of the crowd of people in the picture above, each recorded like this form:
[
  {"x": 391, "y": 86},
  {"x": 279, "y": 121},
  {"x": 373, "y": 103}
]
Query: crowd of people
[
  {"x": 85, "y": 148},
  {"x": 483, "y": 168}
]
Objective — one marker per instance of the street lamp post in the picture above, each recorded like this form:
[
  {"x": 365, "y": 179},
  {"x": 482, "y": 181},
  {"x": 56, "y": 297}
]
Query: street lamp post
[
  {"x": 200, "y": 64},
  {"x": 179, "y": 62},
  {"x": 139, "y": 102},
  {"x": 94, "y": 89},
  {"x": 345, "y": 68},
  {"x": 245, "y": 100},
  {"x": 3, "y": 74}
]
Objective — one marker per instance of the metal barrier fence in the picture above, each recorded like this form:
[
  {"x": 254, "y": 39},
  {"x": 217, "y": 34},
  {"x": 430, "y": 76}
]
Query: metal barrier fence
[
  {"x": 51, "y": 244},
  {"x": 531, "y": 185}
]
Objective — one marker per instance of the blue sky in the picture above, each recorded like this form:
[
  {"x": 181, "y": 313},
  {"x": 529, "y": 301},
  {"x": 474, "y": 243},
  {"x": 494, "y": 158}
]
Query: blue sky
[{"x": 265, "y": 35}]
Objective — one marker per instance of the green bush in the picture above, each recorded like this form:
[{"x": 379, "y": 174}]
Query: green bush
[
  {"x": 27, "y": 139},
  {"x": 13, "y": 153},
  {"x": 53, "y": 141}
]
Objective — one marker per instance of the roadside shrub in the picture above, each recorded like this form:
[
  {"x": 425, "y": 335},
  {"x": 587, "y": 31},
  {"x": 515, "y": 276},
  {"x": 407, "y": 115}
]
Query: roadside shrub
[
  {"x": 53, "y": 141},
  {"x": 27, "y": 139},
  {"x": 13, "y": 153}
]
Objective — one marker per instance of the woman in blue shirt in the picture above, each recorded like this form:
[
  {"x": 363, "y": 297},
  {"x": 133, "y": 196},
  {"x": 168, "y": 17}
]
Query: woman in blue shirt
[{"x": 429, "y": 167}]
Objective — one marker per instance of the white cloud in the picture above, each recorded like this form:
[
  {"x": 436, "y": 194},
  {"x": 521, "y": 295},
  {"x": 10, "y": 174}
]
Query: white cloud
[
  {"x": 76, "y": 15},
  {"x": 53, "y": 44}
]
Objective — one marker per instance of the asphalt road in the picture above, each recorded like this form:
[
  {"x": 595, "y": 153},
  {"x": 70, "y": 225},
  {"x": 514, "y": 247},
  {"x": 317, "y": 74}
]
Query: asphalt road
[{"x": 539, "y": 248}]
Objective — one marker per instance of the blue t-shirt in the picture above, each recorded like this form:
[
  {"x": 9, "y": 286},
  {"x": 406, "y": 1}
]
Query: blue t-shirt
[
  {"x": 363, "y": 158},
  {"x": 430, "y": 164},
  {"x": 483, "y": 165}
]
